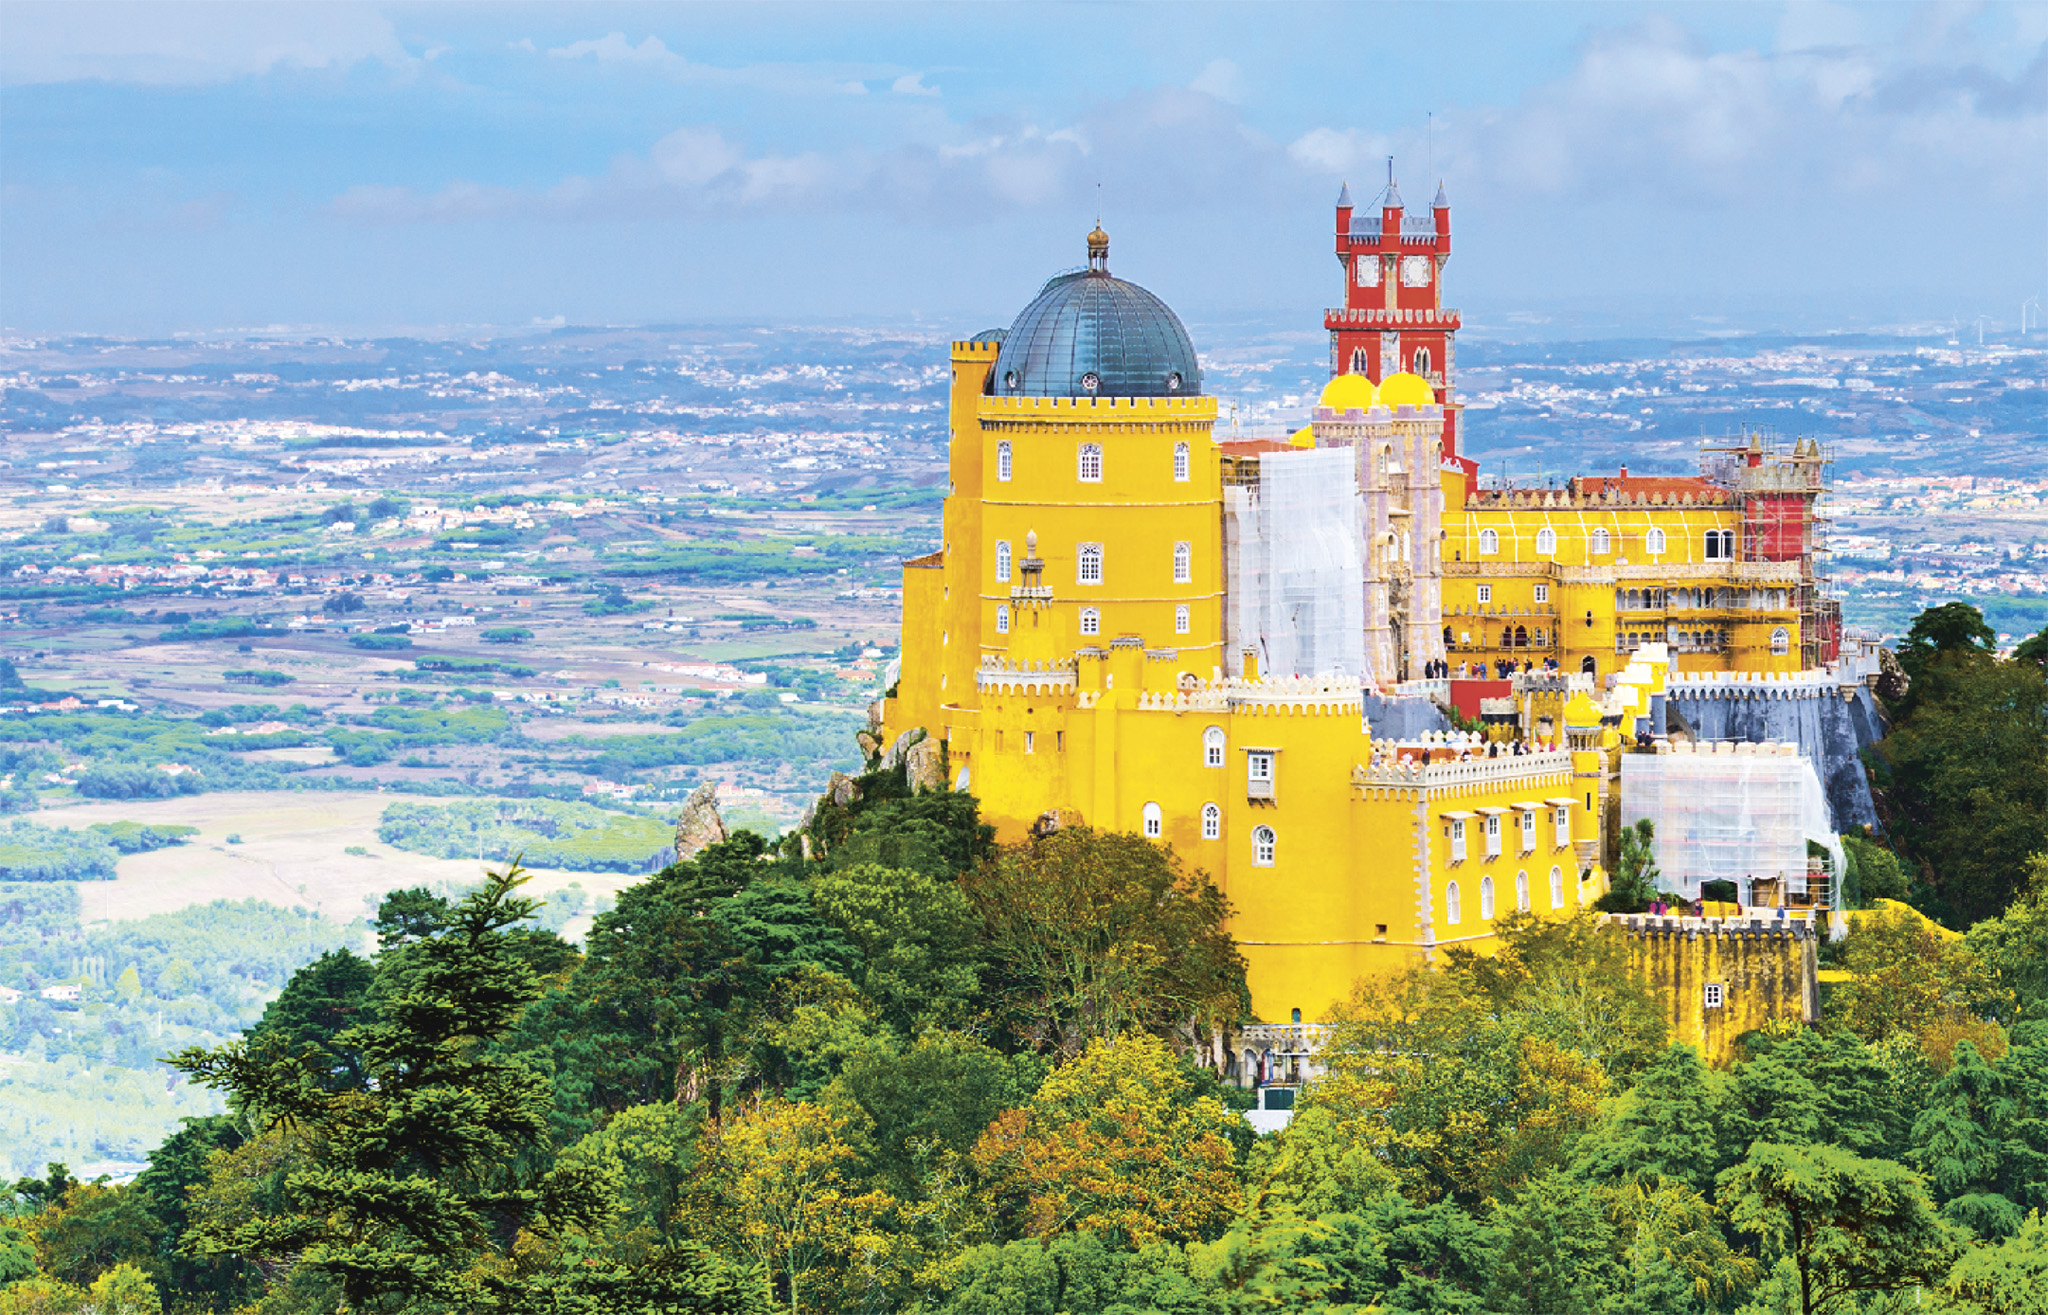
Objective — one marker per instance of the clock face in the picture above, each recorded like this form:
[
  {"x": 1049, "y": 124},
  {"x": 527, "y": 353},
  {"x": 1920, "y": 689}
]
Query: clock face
[
  {"x": 1368, "y": 271},
  {"x": 1415, "y": 271}
]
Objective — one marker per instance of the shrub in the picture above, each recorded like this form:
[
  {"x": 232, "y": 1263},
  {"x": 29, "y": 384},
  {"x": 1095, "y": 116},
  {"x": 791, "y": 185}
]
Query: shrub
[{"x": 380, "y": 643}]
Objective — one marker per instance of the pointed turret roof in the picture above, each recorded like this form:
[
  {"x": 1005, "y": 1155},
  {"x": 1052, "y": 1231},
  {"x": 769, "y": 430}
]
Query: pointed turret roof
[
  {"x": 1442, "y": 201},
  {"x": 1391, "y": 197},
  {"x": 1344, "y": 197}
]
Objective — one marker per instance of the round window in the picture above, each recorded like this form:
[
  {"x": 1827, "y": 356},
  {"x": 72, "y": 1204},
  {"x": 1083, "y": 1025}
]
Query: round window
[
  {"x": 1010, "y": 380},
  {"x": 1173, "y": 382},
  {"x": 1091, "y": 381}
]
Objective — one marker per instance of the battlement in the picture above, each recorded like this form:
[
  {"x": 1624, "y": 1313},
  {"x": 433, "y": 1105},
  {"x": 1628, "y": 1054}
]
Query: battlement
[
  {"x": 1576, "y": 499},
  {"x": 1195, "y": 409},
  {"x": 998, "y": 676},
  {"x": 1307, "y": 695},
  {"x": 1750, "y": 924},
  {"x": 1757, "y": 684},
  {"x": 1541, "y": 767}
]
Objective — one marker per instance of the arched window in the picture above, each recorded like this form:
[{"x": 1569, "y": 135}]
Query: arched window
[
  {"x": 1003, "y": 461},
  {"x": 1489, "y": 542},
  {"x": 1180, "y": 461},
  {"x": 1454, "y": 913},
  {"x": 1358, "y": 353},
  {"x": 1653, "y": 541},
  {"x": 1556, "y": 887},
  {"x": 1422, "y": 361},
  {"x": 1002, "y": 618},
  {"x": 1002, "y": 561},
  {"x": 1212, "y": 822},
  {"x": 1212, "y": 747},
  {"x": 1091, "y": 621},
  {"x": 1546, "y": 540},
  {"x": 1155, "y": 821},
  {"x": 1183, "y": 563},
  {"x": 1521, "y": 892},
  {"x": 1089, "y": 466},
  {"x": 1486, "y": 897},
  {"x": 1264, "y": 842},
  {"x": 1088, "y": 564},
  {"x": 1181, "y": 621},
  {"x": 1600, "y": 541},
  {"x": 1781, "y": 641}
]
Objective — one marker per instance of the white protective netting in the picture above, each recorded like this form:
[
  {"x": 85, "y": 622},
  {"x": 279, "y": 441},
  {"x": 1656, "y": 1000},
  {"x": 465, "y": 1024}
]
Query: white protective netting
[
  {"x": 1297, "y": 563},
  {"x": 1733, "y": 812}
]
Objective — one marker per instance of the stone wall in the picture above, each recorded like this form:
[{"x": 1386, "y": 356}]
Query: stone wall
[
  {"x": 1830, "y": 729},
  {"x": 1766, "y": 970}
]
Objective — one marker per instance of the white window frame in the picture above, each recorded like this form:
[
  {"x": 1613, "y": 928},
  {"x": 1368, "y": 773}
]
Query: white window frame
[
  {"x": 1002, "y": 561},
  {"x": 1493, "y": 835},
  {"x": 1088, "y": 563},
  {"x": 1422, "y": 362},
  {"x": 1212, "y": 822},
  {"x": 1653, "y": 540},
  {"x": 1714, "y": 995},
  {"x": 1181, "y": 463},
  {"x": 1454, "y": 912},
  {"x": 1088, "y": 463},
  {"x": 1485, "y": 592},
  {"x": 1522, "y": 891},
  {"x": 1489, "y": 543},
  {"x": 1563, "y": 818},
  {"x": 1457, "y": 840},
  {"x": 1781, "y": 642},
  {"x": 1183, "y": 562},
  {"x": 1091, "y": 621},
  {"x": 1002, "y": 618},
  {"x": 1556, "y": 886},
  {"x": 1542, "y": 593},
  {"x": 1265, "y": 846},
  {"x": 1546, "y": 540},
  {"x": 1486, "y": 897},
  {"x": 1030, "y": 741},
  {"x": 1154, "y": 821},
  {"x": 1003, "y": 461},
  {"x": 1183, "y": 619},
  {"x": 1214, "y": 745},
  {"x": 1528, "y": 830},
  {"x": 1600, "y": 542},
  {"x": 1258, "y": 775}
]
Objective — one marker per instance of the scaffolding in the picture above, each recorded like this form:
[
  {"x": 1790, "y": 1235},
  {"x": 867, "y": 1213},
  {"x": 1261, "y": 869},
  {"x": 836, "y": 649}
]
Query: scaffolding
[
  {"x": 1783, "y": 493},
  {"x": 1734, "y": 812},
  {"x": 1297, "y": 563}
]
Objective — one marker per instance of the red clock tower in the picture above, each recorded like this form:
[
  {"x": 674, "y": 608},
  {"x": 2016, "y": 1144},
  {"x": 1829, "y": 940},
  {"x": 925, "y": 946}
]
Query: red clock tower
[{"x": 1393, "y": 318}]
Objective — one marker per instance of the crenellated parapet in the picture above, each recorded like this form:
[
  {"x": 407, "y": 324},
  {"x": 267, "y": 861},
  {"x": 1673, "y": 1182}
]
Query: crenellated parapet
[
  {"x": 1718, "y": 978},
  {"x": 997, "y": 676},
  {"x": 1411, "y": 771}
]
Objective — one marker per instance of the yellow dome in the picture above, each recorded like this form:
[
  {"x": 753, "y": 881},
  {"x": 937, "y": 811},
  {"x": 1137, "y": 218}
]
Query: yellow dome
[
  {"x": 1406, "y": 389},
  {"x": 1304, "y": 436},
  {"x": 1581, "y": 711},
  {"x": 1348, "y": 392}
]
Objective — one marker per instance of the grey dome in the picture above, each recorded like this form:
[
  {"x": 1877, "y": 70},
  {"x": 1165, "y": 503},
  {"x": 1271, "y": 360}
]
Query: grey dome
[{"x": 1087, "y": 334}]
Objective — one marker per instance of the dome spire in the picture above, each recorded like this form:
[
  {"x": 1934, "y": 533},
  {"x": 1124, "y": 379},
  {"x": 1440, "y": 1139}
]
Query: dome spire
[{"x": 1098, "y": 250}]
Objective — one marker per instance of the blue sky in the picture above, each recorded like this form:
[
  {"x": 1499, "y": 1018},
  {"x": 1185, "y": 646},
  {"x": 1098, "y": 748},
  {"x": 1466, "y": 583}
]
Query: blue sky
[{"x": 1613, "y": 167}]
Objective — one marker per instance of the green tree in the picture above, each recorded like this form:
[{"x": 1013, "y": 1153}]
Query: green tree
[
  {"x": 1092, "y": 933},
  {"x": 1665, "y": 1126},
  {"x": 937, "y": 1094},
  {"x": 1850, "y": 1225},
  {"x": 1558, "y": 1253},
  {"x": 1980, "y": 1138},
  {"x": 181, "y": 1162},
  {"x": 1635, "y": 871},
  {"x": 321, "y": 1001},
  {"x": 919, "y": 940},
  {"x": 1943, "y": 631},
  {"x": 2008, "y": 1279},
  {"x": 403, "y": 1185},
  {"x": 1810, "y": 1087}
]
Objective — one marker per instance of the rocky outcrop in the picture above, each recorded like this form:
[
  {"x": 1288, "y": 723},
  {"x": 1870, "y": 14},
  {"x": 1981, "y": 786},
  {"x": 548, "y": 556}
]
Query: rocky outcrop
[
  {"x": 700, "y": 823},
  {"x": 924, "y": 766},
  {"x": 894, "y": 758},
  {"x": 1831, "y": 725},
  {"x": 841, "y": 790}
]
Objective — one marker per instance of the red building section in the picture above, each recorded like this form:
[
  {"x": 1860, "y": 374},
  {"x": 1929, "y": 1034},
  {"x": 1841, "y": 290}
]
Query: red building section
[{"x": 1393, "y": 318}]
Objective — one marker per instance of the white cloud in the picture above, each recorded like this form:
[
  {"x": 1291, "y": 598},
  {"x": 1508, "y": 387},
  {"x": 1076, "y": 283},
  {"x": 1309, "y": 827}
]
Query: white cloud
[
  {"x": 188, "y": 44},
  {"x": 1221, "y": 79},
  {"x": 613, "y": 48},
  {"x": 651, "y": 54},
  {"x": 912, "y": 84}
]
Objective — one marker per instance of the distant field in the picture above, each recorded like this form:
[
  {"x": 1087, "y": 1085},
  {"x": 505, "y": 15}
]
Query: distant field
[{"x": 293, "y": 851}]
